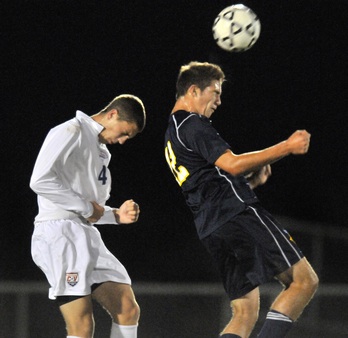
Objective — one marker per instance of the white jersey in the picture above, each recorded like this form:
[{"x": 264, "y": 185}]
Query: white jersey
[{"x": 71, "y": 171}]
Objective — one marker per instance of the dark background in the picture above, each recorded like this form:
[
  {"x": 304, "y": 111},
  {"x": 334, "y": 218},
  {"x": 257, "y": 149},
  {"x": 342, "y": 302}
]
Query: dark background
[{"x": 60, "y": 56}]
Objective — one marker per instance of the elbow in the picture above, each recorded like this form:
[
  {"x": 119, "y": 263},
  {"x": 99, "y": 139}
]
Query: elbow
[
  {"x": 233, "y": 171},
  {"x": 34, "y": 185},
  {"x": 236, "y": 169},
  {"x": 231, "y": 163}
]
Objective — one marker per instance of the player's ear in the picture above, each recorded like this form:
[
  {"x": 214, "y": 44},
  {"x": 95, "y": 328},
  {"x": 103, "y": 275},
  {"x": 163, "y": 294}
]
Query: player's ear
[
  {"x": 113, "y": 113},
  {"x": 192, "y": 91}
]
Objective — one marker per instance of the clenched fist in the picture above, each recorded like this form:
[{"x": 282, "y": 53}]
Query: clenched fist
[
  {"x": 127, "y": 213},
  {"x": 298, "y": 142}
]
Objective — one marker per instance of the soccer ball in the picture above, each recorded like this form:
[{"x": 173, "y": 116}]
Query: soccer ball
[{"x": 236, "y": 28}]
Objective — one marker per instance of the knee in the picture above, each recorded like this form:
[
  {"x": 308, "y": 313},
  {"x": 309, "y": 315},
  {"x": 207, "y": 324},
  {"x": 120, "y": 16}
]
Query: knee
[
  {"x": 309, "y": 283},
  {"x": 130, "y": 312},
  {"x": 82, "y": 326},
  {"x": 247, "y": 313},
  {"x": 312, "y": 283},
  {"x": 133, "y": 311}
]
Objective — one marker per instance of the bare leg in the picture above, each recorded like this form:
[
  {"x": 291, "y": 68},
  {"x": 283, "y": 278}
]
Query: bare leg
[
  {"x": 78, "y": 317},
  {"x": 300, "y": 282},
  {"x": 245, "y": 314},
  {"x": 119, "y": 301}
]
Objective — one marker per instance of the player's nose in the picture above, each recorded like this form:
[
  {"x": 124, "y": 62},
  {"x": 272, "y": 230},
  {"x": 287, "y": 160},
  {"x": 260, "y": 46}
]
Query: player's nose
[{"x": 123, "y": 139}]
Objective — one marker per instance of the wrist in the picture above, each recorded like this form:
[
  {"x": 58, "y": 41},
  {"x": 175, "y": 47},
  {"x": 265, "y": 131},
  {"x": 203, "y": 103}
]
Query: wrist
[
  {"x": 286, "y": 148},
  {"x": 116, "y": 214}
]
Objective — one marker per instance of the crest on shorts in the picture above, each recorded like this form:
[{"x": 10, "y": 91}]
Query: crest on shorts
[{"x": 72, "y": 278}]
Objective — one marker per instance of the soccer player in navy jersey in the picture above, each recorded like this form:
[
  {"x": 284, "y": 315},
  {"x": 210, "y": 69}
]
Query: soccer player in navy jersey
[{"x": 247, "y": 244}]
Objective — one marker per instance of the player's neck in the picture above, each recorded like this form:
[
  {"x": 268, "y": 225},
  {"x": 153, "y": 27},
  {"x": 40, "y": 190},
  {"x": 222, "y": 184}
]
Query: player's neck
[{"x": 183, "y": 103}]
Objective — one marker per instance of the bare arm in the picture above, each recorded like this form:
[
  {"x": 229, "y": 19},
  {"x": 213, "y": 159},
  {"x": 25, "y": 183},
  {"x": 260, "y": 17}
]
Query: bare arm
[{"x": 296, "y": 144}]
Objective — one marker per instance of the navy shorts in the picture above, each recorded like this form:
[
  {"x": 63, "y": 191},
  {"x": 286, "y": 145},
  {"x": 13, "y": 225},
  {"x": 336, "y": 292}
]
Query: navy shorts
[{"x": 251, "y": 250}]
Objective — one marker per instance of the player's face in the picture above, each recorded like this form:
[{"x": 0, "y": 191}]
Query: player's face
[
  {"x": 209, "y": 99},
  {"x": 118, "y": 131}
]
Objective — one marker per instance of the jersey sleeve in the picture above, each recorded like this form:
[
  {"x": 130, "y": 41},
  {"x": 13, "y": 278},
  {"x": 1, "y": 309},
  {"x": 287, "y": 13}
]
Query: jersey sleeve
[
  {"x": 46, "y": 180},
  {"x": 202, "y": 138},
  {"x": 108, "y": 217}
]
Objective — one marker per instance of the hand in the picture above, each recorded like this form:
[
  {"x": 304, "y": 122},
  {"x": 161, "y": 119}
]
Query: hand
[
  {"x": 98, "y": 212},
  {"x": 259, "y": 177},
  {"x": 299, "y": 142},
  {"x": 263, "y": 174},
  {"x": 127, "y": 213}
]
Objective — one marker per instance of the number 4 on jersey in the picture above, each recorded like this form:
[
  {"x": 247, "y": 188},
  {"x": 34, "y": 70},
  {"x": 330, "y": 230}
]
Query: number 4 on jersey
[
  {"x": 181, "y": 172},
  {"x": 102, "y": 175}
]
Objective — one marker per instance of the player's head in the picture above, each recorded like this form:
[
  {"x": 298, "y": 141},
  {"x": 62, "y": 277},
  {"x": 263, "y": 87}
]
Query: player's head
[
  {"x": 196, "y": 73},
  {"x": 130, "y": 109}
]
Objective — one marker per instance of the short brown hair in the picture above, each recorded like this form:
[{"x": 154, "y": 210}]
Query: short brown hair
[
  {"x": 130, "y": 108},
  {"x": 200, "y": 74}
]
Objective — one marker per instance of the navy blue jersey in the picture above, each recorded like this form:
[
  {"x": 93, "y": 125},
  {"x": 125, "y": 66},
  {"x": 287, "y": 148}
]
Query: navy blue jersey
[{"x": 192, "y": 146}]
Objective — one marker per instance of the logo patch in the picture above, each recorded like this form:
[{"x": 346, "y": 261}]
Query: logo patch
[{"x": 72, "y": 278}]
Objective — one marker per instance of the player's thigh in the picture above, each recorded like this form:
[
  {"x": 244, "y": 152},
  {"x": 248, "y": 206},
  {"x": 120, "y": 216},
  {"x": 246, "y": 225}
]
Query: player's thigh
[
  {"x": 115, "y": 297},
  {"x": 301, "y": 272},
  {"x": 78, "y": 311}
]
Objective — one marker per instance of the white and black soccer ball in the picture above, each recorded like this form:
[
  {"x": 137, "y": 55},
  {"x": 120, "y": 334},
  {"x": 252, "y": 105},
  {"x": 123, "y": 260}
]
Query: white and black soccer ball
[{"x": 236, "y": 28}]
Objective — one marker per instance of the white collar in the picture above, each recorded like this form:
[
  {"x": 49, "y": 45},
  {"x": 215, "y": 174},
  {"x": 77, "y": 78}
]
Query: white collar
[{"x": 82, "y": 116}]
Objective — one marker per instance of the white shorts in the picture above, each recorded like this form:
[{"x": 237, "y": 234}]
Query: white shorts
[{"x": 73, "y": 257}]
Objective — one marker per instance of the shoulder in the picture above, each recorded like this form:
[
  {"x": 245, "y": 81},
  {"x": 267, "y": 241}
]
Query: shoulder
[
  {"x": 184, "y": 119},
  {"x": 72, "y": 126},
  {"x": 66, "y": 132}
]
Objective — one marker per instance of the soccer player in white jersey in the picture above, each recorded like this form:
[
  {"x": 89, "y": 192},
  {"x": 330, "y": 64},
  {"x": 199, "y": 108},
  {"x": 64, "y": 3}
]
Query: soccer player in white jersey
[{"x": 72, "y": 181}]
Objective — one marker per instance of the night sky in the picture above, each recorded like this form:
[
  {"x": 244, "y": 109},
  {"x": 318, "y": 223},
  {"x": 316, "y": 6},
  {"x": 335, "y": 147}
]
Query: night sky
[{"x": 60, "y": 56}]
